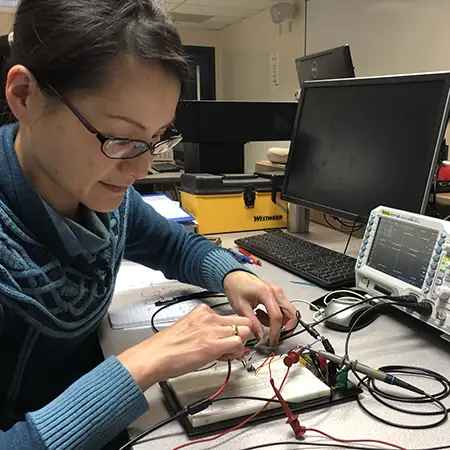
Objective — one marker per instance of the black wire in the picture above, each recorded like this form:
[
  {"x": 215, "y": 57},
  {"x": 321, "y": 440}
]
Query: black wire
[
  {"x": 350, "y": 236},
  {"x": 214, "y": 364},
  {"x": 334, "y": 445},
  {"x": 252, "y": 397},
  {"x": 348, "y": 225},
  {"x": 330, "y": 224},
  {"x": 177, "y": 302},
  {"x": 318, "y": 322},
  {"x": 360, "y": 227},
  {"x": 154, "y": 428},
  {"x": 220, "y": 304},
  {"x": 313, "y": 444},
  {"x": 434, "y": 190},
  {"x": 379, "y": 395},
  {"x": 286, "y": 332},
  {"x": 152, "y": 320}
]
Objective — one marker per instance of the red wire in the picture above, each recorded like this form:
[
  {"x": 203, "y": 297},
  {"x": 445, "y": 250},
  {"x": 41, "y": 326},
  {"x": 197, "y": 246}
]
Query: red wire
[
  {"x": 272, "y": 355},
  {"x": 355, "y": 441},
  {"x": 225, "y": 383},
  {"x": 245, "y": 422},
  {"x": 347, "y": 441}
]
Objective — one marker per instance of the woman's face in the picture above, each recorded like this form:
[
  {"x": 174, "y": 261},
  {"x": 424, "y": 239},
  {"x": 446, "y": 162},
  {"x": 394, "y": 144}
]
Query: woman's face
[{"x": 64, "y": 160}]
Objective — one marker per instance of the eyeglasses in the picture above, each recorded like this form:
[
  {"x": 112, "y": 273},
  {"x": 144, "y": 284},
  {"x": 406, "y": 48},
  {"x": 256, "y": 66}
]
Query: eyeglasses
[{"x": 123, "y": 148}]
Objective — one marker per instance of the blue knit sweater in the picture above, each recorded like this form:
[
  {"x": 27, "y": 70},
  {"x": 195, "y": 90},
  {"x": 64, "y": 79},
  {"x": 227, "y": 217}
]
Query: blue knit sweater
[{"x": 56, "y": 283}]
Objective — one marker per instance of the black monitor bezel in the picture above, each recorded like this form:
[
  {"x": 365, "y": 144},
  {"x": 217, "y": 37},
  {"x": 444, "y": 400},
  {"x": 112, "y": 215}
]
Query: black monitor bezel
[{"x": 390, "y": 79}]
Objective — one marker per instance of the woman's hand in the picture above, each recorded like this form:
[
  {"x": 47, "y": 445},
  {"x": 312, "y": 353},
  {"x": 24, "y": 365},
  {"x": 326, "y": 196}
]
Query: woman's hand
[
  {"x": 199, "y": 338},
  {"x": 245, "y": 292}
]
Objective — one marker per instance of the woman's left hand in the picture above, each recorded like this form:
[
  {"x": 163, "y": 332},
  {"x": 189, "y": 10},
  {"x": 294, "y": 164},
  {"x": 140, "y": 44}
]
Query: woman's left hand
[{"x": 245, "y": 292}]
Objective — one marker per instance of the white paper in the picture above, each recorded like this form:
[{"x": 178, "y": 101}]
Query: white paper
[
  {"x": 274, "y": 70},
  {"x": 132, "y": 277}
]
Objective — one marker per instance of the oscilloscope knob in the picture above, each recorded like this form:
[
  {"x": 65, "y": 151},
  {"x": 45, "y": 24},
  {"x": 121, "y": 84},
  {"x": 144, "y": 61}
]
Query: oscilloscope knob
[{"x": 443, "y": 292}]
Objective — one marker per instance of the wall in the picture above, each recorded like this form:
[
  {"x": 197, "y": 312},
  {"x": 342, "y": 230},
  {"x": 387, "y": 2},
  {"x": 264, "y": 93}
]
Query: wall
[
  {"x": 385, "y": 36},
  {"x": 6, "y": 22},
  {"x": 246, "y": 49}
]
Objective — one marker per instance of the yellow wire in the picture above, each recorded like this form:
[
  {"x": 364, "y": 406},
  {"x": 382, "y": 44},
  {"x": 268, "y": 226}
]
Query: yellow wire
[{"x": 301, "y": 360}]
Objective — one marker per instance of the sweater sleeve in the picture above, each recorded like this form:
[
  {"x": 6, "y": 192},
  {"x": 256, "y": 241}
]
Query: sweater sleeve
[
  {"x": 156, "y": 242},
  {"x": 87, "y": 416}
]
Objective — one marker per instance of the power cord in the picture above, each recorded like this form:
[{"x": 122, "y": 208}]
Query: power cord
[
  {"x": 350, "y": 236},
  {"x": 360, "y": 227}
]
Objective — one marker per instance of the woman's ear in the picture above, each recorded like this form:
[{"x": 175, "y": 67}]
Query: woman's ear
[{"x": 23, "y": 94}]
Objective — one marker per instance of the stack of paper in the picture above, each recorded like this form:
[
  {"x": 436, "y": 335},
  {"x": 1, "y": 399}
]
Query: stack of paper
[{"x": 170, "y": 209}]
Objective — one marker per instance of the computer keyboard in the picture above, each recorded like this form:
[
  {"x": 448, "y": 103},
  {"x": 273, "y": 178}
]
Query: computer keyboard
[
  {"x": 312, "y": 262},
  {"x": 301, "y": 385}
]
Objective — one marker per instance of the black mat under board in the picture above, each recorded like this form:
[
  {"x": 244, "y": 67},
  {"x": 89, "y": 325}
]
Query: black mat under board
[{"x": 336, "y": 397}]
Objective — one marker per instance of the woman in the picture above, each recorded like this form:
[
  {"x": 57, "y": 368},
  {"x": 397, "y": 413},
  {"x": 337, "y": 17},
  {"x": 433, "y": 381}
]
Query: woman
[{"x": 94, "y": 87}]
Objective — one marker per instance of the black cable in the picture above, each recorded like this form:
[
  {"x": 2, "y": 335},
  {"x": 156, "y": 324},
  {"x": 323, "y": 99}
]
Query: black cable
[
  {"x": 360, "y": 227},
  {"x": 348, "y": 225},
  {"x": 377, "y": 395},
  {"x": 152, "y": 320},
  {"x": 313, "y": 444},
  {"x": 434, "y": 190},
  {"x": 318, "y": 322},
  {"x": 252, "y": 397},
  {"x": 350, "y": 236},
  {"x": 330, "y": 224},
  {"x": 189, "y": 410},
  {"x": 381, "y": 396},
  {"x": 286, "y": 332},
  {"x": 177, "y": 302},
  {"x": 152, "y": 429},
  {"x": 193, "y": 296},
  {"x": 214, "y": 364},
  {"x": 334, "y": 445}
]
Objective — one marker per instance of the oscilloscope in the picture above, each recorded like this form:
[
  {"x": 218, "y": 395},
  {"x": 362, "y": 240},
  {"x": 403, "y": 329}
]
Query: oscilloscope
[{"x": 404, "y": 253}]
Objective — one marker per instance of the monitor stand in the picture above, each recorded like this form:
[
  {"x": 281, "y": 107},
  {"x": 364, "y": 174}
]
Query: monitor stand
[{"x": 298, "y": 218}]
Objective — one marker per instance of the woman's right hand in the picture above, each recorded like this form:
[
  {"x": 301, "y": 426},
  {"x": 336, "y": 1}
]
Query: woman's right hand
[{"x": 199, "y": 338}]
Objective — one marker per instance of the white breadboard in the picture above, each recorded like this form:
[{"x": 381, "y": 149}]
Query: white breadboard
[{"x": 301, "y": 385}]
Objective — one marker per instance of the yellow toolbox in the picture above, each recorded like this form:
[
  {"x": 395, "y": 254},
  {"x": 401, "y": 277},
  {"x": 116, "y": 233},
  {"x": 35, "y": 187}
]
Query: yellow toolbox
[{"x": 231, "y": 203}]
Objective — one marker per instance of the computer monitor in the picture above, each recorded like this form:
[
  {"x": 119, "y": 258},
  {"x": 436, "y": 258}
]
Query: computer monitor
[
  {"x": 215, "y": 132},
  {"x": 329, "y": 64},
  {"x": 365, "y": 142}
]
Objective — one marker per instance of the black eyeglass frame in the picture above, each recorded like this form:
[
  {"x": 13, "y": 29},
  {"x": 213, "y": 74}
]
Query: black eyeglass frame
[{"x": 104, "y": 138}]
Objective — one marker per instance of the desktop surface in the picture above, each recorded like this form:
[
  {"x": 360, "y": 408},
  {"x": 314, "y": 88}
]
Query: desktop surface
[{"x": 388, "y": 340}]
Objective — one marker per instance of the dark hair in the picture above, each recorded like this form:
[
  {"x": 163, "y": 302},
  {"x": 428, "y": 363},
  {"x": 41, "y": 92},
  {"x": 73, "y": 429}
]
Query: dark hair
[{"x": 70, "y": 44}]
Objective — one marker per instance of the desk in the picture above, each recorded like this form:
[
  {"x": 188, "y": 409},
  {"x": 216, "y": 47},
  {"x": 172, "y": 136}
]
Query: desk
[
  {"x": 386, "y": 341},
  {"x": 443, "y": 199},
  {"x": 160, "y": 178}
]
